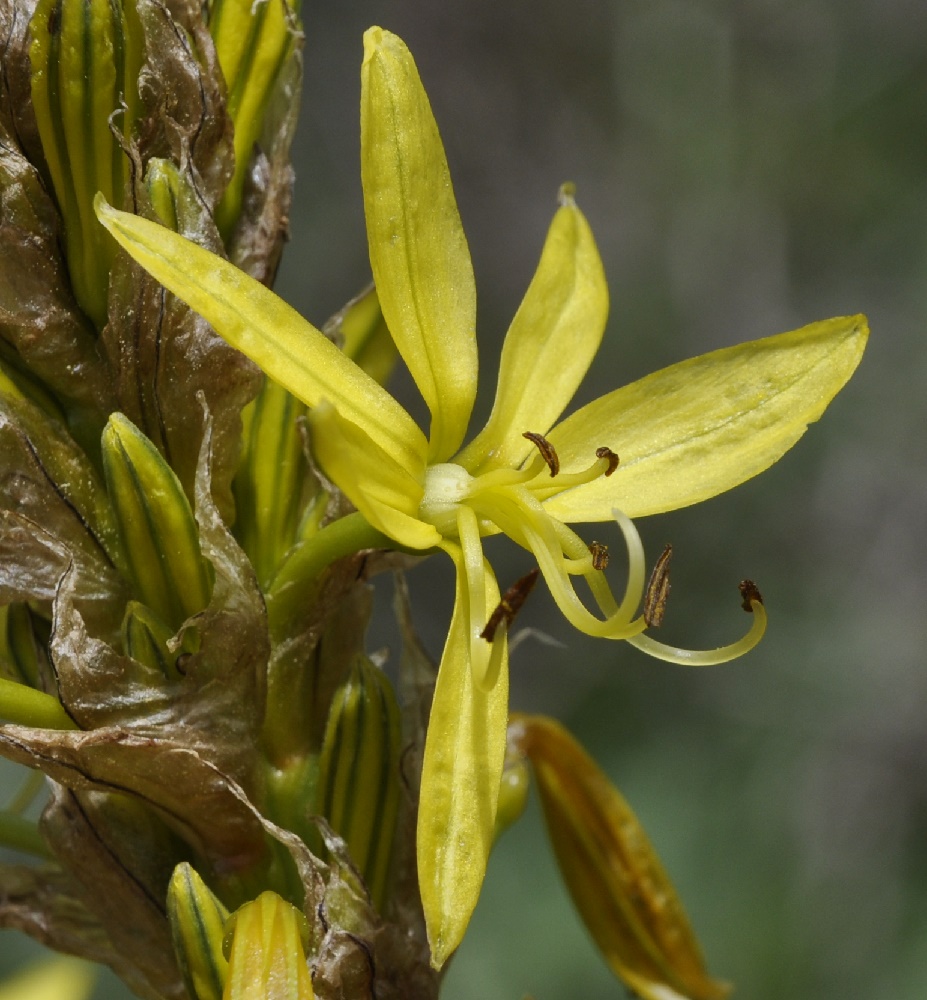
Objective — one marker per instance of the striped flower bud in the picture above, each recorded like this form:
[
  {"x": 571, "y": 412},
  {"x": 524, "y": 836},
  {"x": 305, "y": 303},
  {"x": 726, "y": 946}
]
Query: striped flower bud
[
  {"x": 271, "y": 481},
  {"x": 160, "y": 542},
  {"x": 358, "y": 791},
  {"x": 19, "y": 651},
  {"x": 86, "y": 56},
  {"x": 613, "y": 873},
  {"x": 197, "y": 919},
  {"x": 253, "y": 40},
  {"x": 267, "y": 958},
  {"x": 145, "y": 636}
]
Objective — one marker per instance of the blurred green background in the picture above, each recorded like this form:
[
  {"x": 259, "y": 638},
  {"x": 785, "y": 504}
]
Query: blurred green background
[{"x": 747, "y": 168}]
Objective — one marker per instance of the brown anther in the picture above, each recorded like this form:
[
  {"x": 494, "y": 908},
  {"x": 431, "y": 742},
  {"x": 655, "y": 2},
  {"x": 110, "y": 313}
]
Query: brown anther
[
  {"x": 658, "y": 588},
  {"x": 547, "y": 451},
  {"x": 510, "y": 605},
  {"x": 750, "y": 593},
  {"x": 613, "y": 459},
  {"x": 599, "y": 552},
  {"x": 182, "y": 663}
]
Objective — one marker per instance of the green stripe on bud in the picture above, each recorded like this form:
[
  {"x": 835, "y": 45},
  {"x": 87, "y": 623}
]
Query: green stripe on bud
[
  {"x": 86, "y": 56},
  {"x": 160, "y": 542},
  {"x": 254, "y": 39},
  {"x": 197, "y": 919},
  {"x": 358, "y": 790},
  {"x": 271, "y": 481}
]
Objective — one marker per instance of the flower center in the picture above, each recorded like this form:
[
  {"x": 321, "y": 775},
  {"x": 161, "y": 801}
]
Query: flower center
[{"x": 446, "y": 485}]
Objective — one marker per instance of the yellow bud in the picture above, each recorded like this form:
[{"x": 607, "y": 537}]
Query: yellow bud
[
  {"x": 197, "y": 919},
  {"x": 159, "y": 537},
  {"x": 358, "y": 790},
  {"x": 613, "y": 873},
  {"x": 267, "y": 959}
]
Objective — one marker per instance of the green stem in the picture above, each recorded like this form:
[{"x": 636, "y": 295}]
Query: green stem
[
  {"x": 22, "y": 835},
  {"x": 25, "y": 706},
  {"x": 291, "y": 589}
]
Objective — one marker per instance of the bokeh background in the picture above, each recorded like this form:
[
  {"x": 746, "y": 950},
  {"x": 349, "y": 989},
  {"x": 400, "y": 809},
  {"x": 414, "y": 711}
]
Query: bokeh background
[{"x": 747, "y": 167}]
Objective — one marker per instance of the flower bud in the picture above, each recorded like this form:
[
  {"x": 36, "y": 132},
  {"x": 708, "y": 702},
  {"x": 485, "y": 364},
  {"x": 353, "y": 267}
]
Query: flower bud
[
  {"x": 160, "y": 542},
  {"x": 162, "y": 181},
  {"x": 271, "y": 480},
  {"x": 267, "y": 959},
  {"x": 358, "y": 791},
  {"x": 613, "y": 873},
  {"x": 197, "y": 919},
  {"x": 86, "y": 56},
  {"x": 253, "y": 41},
  {"x": 19, "y": 651},
  {"x": 145, "y": 637}
]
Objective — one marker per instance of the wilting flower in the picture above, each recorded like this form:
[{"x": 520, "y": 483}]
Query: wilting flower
[{"x": 683, "y": 434}]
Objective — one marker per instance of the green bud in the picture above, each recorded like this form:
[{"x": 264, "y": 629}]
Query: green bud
[
  {"x": 358, "y": 790},
  {"x": 162, "y": 180},
  {"x": 271, "y": 481},
  {"x": 19, "y": 651},
  {"x": 254, "y": 39},
  {"x": 159, "y": 537},
  {"x": 86, "y": 56},
  {"x": 197, "y": 919},
  {"x": 145, "y": 636}
]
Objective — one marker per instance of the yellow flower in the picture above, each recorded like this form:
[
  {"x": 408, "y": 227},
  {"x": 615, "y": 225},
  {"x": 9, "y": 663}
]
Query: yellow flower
[{"x": 683, "y": 434}]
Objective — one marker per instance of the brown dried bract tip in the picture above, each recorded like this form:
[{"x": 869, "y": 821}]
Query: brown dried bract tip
[
  {"x": 599, "y": 555},
  {"x": 750, "y": 593},
  {"x": 510, "y": 605},
  {"x": 547, "y": 451},
  {"x": 613, "y": 459},
  {"x": 658, "y": 588}
]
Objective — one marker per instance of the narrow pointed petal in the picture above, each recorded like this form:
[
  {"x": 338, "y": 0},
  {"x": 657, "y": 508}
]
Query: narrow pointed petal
[
  {"x": 696, "y": 429},
  {"x": 550, "y": 344},
  {"x": 418, "y": 251},
  {"x": 262, "y": 326},
  {"x": 383, "y": 490},
  {"x": 461, "y": 774}
]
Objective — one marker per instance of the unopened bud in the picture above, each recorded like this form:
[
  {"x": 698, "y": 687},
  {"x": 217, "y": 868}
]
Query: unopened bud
[
  {"x": 271, "y": 481},
  {"x": 358, "y": 791},
  {"x": 267, "y": 958},
  {"x": 613, "y": 873},
  {"x": 197, "y": 919},
  {"x": 254, "y": 39},
  {"x": 160, "y": 542},
  {"x": 86, "y": 56}
]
